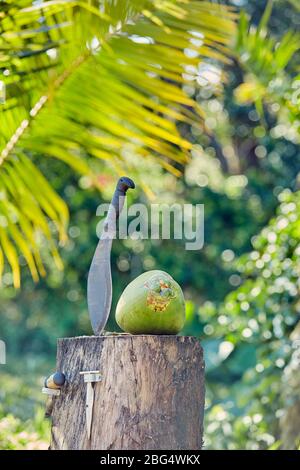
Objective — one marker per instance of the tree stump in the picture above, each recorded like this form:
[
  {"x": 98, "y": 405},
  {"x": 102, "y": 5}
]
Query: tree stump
[{"x": 151, "y": 395}]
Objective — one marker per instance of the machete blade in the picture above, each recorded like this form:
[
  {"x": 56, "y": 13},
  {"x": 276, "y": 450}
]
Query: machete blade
[{"x": 99, "y": 287}]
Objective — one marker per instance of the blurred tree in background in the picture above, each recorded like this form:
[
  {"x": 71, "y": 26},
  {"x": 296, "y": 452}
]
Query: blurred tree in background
[
  {"x": 95, "y": 80},
  {"x": 242, "y": 288}
]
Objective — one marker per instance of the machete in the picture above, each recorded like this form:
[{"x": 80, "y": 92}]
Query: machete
[{"x": 99, "y": 286}]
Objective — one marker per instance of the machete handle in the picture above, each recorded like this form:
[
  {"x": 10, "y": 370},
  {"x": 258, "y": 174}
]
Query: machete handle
[
  {"x": 55, "y": 381},
  {"x": 123, "y": 185},
  {"x": 116, "y": 206}
]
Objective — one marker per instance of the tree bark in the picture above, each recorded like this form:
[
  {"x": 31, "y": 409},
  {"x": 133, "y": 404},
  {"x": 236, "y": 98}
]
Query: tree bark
[{"x": 151, "y": 395}]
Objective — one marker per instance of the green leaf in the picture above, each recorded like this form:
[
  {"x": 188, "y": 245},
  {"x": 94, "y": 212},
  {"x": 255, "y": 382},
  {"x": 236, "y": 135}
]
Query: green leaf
[{"x": 86, "y": 79}]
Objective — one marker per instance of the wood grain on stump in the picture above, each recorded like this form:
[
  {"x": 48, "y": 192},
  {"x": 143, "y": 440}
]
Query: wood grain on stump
[{"x": 151, "y": 395}]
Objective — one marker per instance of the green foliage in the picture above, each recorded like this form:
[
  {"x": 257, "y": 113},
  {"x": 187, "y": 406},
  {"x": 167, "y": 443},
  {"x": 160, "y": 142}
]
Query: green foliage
[
  {"x": 251, "y": 381},
  {"x": 89, "y": 81},
  {"x": 266, "y": 61},
  {"x": 19, "y": 399},
  {"x": 257, "y": 320},
  {"x": 28, "y": 435},
  {"x": 242, "y": 288}
]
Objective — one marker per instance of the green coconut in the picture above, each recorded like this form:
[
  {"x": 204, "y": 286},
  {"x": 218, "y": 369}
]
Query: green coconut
[{"x": 153, "y": 303}]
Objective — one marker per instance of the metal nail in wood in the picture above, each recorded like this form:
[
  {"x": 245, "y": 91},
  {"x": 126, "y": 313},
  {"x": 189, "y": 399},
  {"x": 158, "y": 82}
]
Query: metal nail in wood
[{"x": 90, "y": 377}]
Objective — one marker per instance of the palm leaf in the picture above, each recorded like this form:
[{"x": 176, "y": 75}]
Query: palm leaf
[
  {"x": 88, "y": 79},
  {"x": 264, "y": 59}
]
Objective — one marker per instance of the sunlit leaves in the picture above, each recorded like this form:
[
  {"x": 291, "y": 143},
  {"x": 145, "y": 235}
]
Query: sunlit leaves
[
  {"x": 90, "y": 79},
  {"x": 262, "y": 313},
  {"x": 264, "y": 59}
]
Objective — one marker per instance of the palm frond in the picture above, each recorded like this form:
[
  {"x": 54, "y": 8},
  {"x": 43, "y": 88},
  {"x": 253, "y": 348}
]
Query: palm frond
[
  {"x": 90, "y": 79},
  {"x": 264, "y": 58}
]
